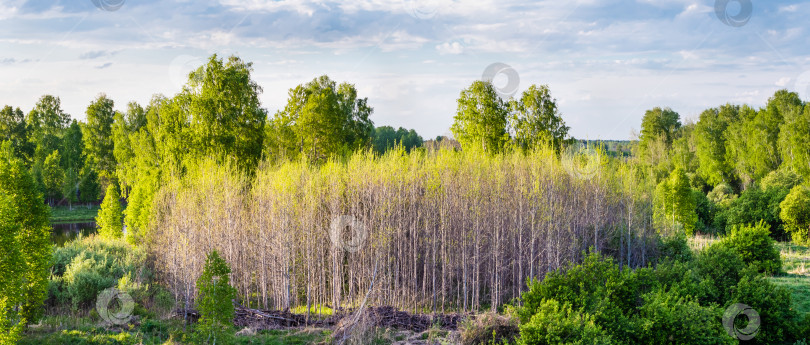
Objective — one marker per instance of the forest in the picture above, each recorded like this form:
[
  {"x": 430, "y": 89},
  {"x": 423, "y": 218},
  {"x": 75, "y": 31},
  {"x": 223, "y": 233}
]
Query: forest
[{"x": 218, "y": 222}]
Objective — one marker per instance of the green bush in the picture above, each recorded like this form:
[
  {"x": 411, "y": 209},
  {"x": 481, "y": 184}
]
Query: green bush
[
  {"x": 667, "y": 318},
  {"x": 675, "y": 247},
  {"x": 214, "y": 302},
  {"x": 753, "y": 205},
  {"x": 720, "y": 268},
  {"x": 84, "y": 267},
  {"x": 795, "y": 213},
  {"x": 773, "y": 303},
  {"x": 558, "y": 323},
  {"x": 755, "y": 246}
]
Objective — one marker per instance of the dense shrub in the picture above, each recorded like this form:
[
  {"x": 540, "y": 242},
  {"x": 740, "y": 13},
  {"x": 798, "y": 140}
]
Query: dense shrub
[
  {"x": 675, "y": 247},
  {"x": 85, "y": 267},
  {"x": 795, "y": 213},
  {"x": 755, "y": 204},
  {"x": 667, "y": 318},
  {"x": 720, "y": 268},
  {"x": 773, "y": 303},
  {"x": 558, "y": 323},
  {"x": 755, "y": 246}
]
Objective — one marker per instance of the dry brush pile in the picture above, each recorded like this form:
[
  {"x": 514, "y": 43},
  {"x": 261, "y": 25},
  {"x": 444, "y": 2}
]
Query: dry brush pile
[{"x": 425, "y": 232}]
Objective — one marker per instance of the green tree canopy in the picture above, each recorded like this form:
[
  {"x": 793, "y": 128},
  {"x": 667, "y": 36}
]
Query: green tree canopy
[
  {"x": 795, "y": 213},
  {"x": 481, "y": 118},
  {"x": 13, "y": 130},
  {"x": 98, "y": 139},
  {"x": 674, "y": 203},
  {"x": 536, "y": 119},
  {"x": 320, "y": 119},
  {"x": 221, "y": 101}
]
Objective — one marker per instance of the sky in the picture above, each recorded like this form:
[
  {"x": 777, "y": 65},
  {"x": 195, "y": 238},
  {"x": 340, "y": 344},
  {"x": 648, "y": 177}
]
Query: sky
[{"x": 605, "y": 62}]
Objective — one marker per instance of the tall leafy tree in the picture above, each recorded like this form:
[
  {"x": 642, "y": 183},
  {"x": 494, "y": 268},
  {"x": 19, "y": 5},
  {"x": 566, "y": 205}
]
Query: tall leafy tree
[
  {"x": 226, "y": 119},
  {"x": 26, "y": 211},
  {"x": 72, "y": 160},
  {"x": 794, "y": 147},
  {"x": 675, "y": 204},
  {"x": 321, "y": 119},
  {"x": 481, "y": 118},
  {"x": 13, "y": 130},
  {"x": 124, "y": 125},
  {"x": 710, "y": 132},
  {"x": 53, "y": 177},
  {"x": 45, "y": 123},
  {"x": 98, "y": 139},
  {"x": 536, "y": 119}
]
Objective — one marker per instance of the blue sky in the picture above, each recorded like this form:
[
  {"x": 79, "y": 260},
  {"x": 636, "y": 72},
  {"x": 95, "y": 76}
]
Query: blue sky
[{"x": 606, "y": 62}]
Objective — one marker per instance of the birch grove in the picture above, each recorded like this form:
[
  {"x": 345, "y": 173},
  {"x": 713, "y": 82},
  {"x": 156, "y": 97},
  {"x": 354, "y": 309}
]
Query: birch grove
[{"x": 435, "y": 231}]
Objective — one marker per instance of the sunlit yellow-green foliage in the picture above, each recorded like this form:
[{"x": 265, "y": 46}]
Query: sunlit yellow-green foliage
[
  {"x": 438, "y": 229},
  {"x": 110, "y": 217},
  {"x": 26, "y": 247}
]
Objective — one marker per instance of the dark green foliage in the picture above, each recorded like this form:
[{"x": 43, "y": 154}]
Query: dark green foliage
[
  {"x": 89, "y": 188},
  {"x": 753, "y": 205},
  {"x": 675, "y": 248},
  {"x": 705, "y": 210},
  {"x": 720, "y": 268},
  {"x": 214, "y": 302},
  {"x": 385, "y": 138},
  {"x": 773, "y": 303},
  {"x": 756, "y": 248}
]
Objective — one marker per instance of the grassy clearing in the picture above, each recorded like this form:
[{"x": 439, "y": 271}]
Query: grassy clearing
[
  {"x": 64, "y": 214},
  {"x": 315, "y": 309},
  {"x": 796, "y": 264}
]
